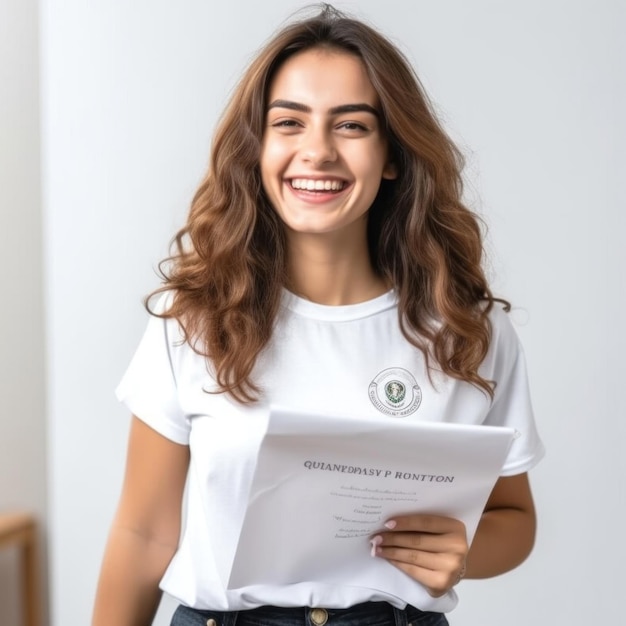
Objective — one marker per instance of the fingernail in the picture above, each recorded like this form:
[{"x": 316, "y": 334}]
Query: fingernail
[
  {"x": 375, "y": 542},
  {"x": 391, "y": 524}
]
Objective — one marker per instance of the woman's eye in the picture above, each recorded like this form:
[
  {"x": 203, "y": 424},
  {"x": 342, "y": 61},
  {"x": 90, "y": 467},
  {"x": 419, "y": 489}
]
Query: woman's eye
[
  {"x": 285, "y": 124},
  {"x": 353, "y": 126}
]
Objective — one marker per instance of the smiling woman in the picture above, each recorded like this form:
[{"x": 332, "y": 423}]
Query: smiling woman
[
  {"x": 327, "y": 265},
  {"x": 324, "y": 152}
]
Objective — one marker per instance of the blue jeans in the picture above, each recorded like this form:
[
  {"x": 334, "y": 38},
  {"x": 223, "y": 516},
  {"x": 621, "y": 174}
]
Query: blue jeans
[{"x": 366, "y": 614}]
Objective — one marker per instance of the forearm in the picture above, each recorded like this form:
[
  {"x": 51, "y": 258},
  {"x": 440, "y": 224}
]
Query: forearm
[
  {"x": 503, "y": 540},
  {"x": 128, "y": 590}
]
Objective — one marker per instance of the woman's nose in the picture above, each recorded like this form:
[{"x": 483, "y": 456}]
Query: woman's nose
[{"x": 318, "y": 147}]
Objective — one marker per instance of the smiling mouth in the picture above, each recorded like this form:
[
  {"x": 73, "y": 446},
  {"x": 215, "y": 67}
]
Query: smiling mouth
[{"x": 307, "y": 184}]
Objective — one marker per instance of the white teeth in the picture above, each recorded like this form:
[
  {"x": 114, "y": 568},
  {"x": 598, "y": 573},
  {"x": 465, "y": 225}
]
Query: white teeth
[{"x": 317, "y": 185}]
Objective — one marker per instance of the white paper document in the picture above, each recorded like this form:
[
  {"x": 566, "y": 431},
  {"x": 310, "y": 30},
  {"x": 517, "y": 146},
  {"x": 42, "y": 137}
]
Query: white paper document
[{"x": 324, "y": 485}]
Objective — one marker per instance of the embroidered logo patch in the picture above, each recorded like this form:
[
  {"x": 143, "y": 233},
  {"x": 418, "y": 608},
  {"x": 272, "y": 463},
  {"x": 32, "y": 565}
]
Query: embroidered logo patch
[{"x": 395, "y": 392}]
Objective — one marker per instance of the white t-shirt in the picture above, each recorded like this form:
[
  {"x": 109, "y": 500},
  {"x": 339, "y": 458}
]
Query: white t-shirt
[{"x": 337, "y": 360}]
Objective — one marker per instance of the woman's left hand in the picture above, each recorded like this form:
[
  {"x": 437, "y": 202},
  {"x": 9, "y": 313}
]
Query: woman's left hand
[{"x": 429, "y": 548}]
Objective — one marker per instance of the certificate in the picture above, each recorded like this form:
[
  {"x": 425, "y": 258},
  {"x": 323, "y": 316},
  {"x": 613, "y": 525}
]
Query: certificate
[{"x": 324, "y": 485}]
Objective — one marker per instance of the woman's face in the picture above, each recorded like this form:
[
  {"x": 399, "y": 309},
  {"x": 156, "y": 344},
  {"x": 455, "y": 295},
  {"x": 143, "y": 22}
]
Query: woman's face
[{"x": 323, "y": 153}]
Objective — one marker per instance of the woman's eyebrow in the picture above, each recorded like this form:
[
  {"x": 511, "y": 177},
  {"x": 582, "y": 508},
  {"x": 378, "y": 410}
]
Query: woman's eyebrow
[
  {"x": 342, "y": 108},
  {"x": 352, "y": 108}
]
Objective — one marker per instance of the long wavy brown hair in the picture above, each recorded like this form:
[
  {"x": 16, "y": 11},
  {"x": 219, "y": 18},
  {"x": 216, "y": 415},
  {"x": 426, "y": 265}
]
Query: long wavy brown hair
[{"x": 227, "y": 269}]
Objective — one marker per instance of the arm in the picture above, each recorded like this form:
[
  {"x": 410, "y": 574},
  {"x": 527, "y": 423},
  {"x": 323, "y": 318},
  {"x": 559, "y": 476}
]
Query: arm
[
  {"x": 433, "y": 550},
  {"x": 506, "y": 533},
  {"x": 145, "y": 531}
]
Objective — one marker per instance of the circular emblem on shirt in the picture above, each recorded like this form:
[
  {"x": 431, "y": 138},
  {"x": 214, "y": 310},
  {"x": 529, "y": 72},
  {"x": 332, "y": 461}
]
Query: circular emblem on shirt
[{"x": 395, "y": 392}]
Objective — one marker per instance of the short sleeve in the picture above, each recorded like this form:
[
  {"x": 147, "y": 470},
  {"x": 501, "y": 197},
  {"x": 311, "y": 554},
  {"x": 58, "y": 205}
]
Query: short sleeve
[
  {"x": 148, "y": 388},
  {"x": 512, "y": 404}
]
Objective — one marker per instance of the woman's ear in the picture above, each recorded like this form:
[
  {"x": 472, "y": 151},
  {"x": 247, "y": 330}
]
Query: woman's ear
[{"x": 390, "y": 172}]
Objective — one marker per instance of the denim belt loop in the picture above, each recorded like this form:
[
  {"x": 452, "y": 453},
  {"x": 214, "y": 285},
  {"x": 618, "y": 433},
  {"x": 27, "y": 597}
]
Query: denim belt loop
[{"x": 400, "y": 617}]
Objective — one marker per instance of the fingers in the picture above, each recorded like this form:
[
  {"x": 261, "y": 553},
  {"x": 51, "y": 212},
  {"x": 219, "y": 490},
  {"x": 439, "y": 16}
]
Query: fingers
[
  {"x": 454, "y": 543},
  {"x": 437, "y": 572},
  {"x": 437, "y": 582},
  {"x": 425, "y": 523},
  {"x": 424, "y": 533},
  {"x": 429, "y": 548}
]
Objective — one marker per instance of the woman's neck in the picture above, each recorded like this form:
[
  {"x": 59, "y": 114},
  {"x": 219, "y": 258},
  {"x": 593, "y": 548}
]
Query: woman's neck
[{"x": 332, "y": 274}]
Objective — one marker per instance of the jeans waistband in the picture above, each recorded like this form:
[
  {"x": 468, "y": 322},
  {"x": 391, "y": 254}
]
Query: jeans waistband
[{"x": 370, "y": 613}]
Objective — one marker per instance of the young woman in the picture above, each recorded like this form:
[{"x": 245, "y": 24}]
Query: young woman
[{"x": 327, "y": 244}]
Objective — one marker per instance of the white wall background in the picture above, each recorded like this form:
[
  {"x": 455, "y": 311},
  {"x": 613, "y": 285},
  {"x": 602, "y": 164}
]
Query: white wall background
[{"x": 532, "y": 90}]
